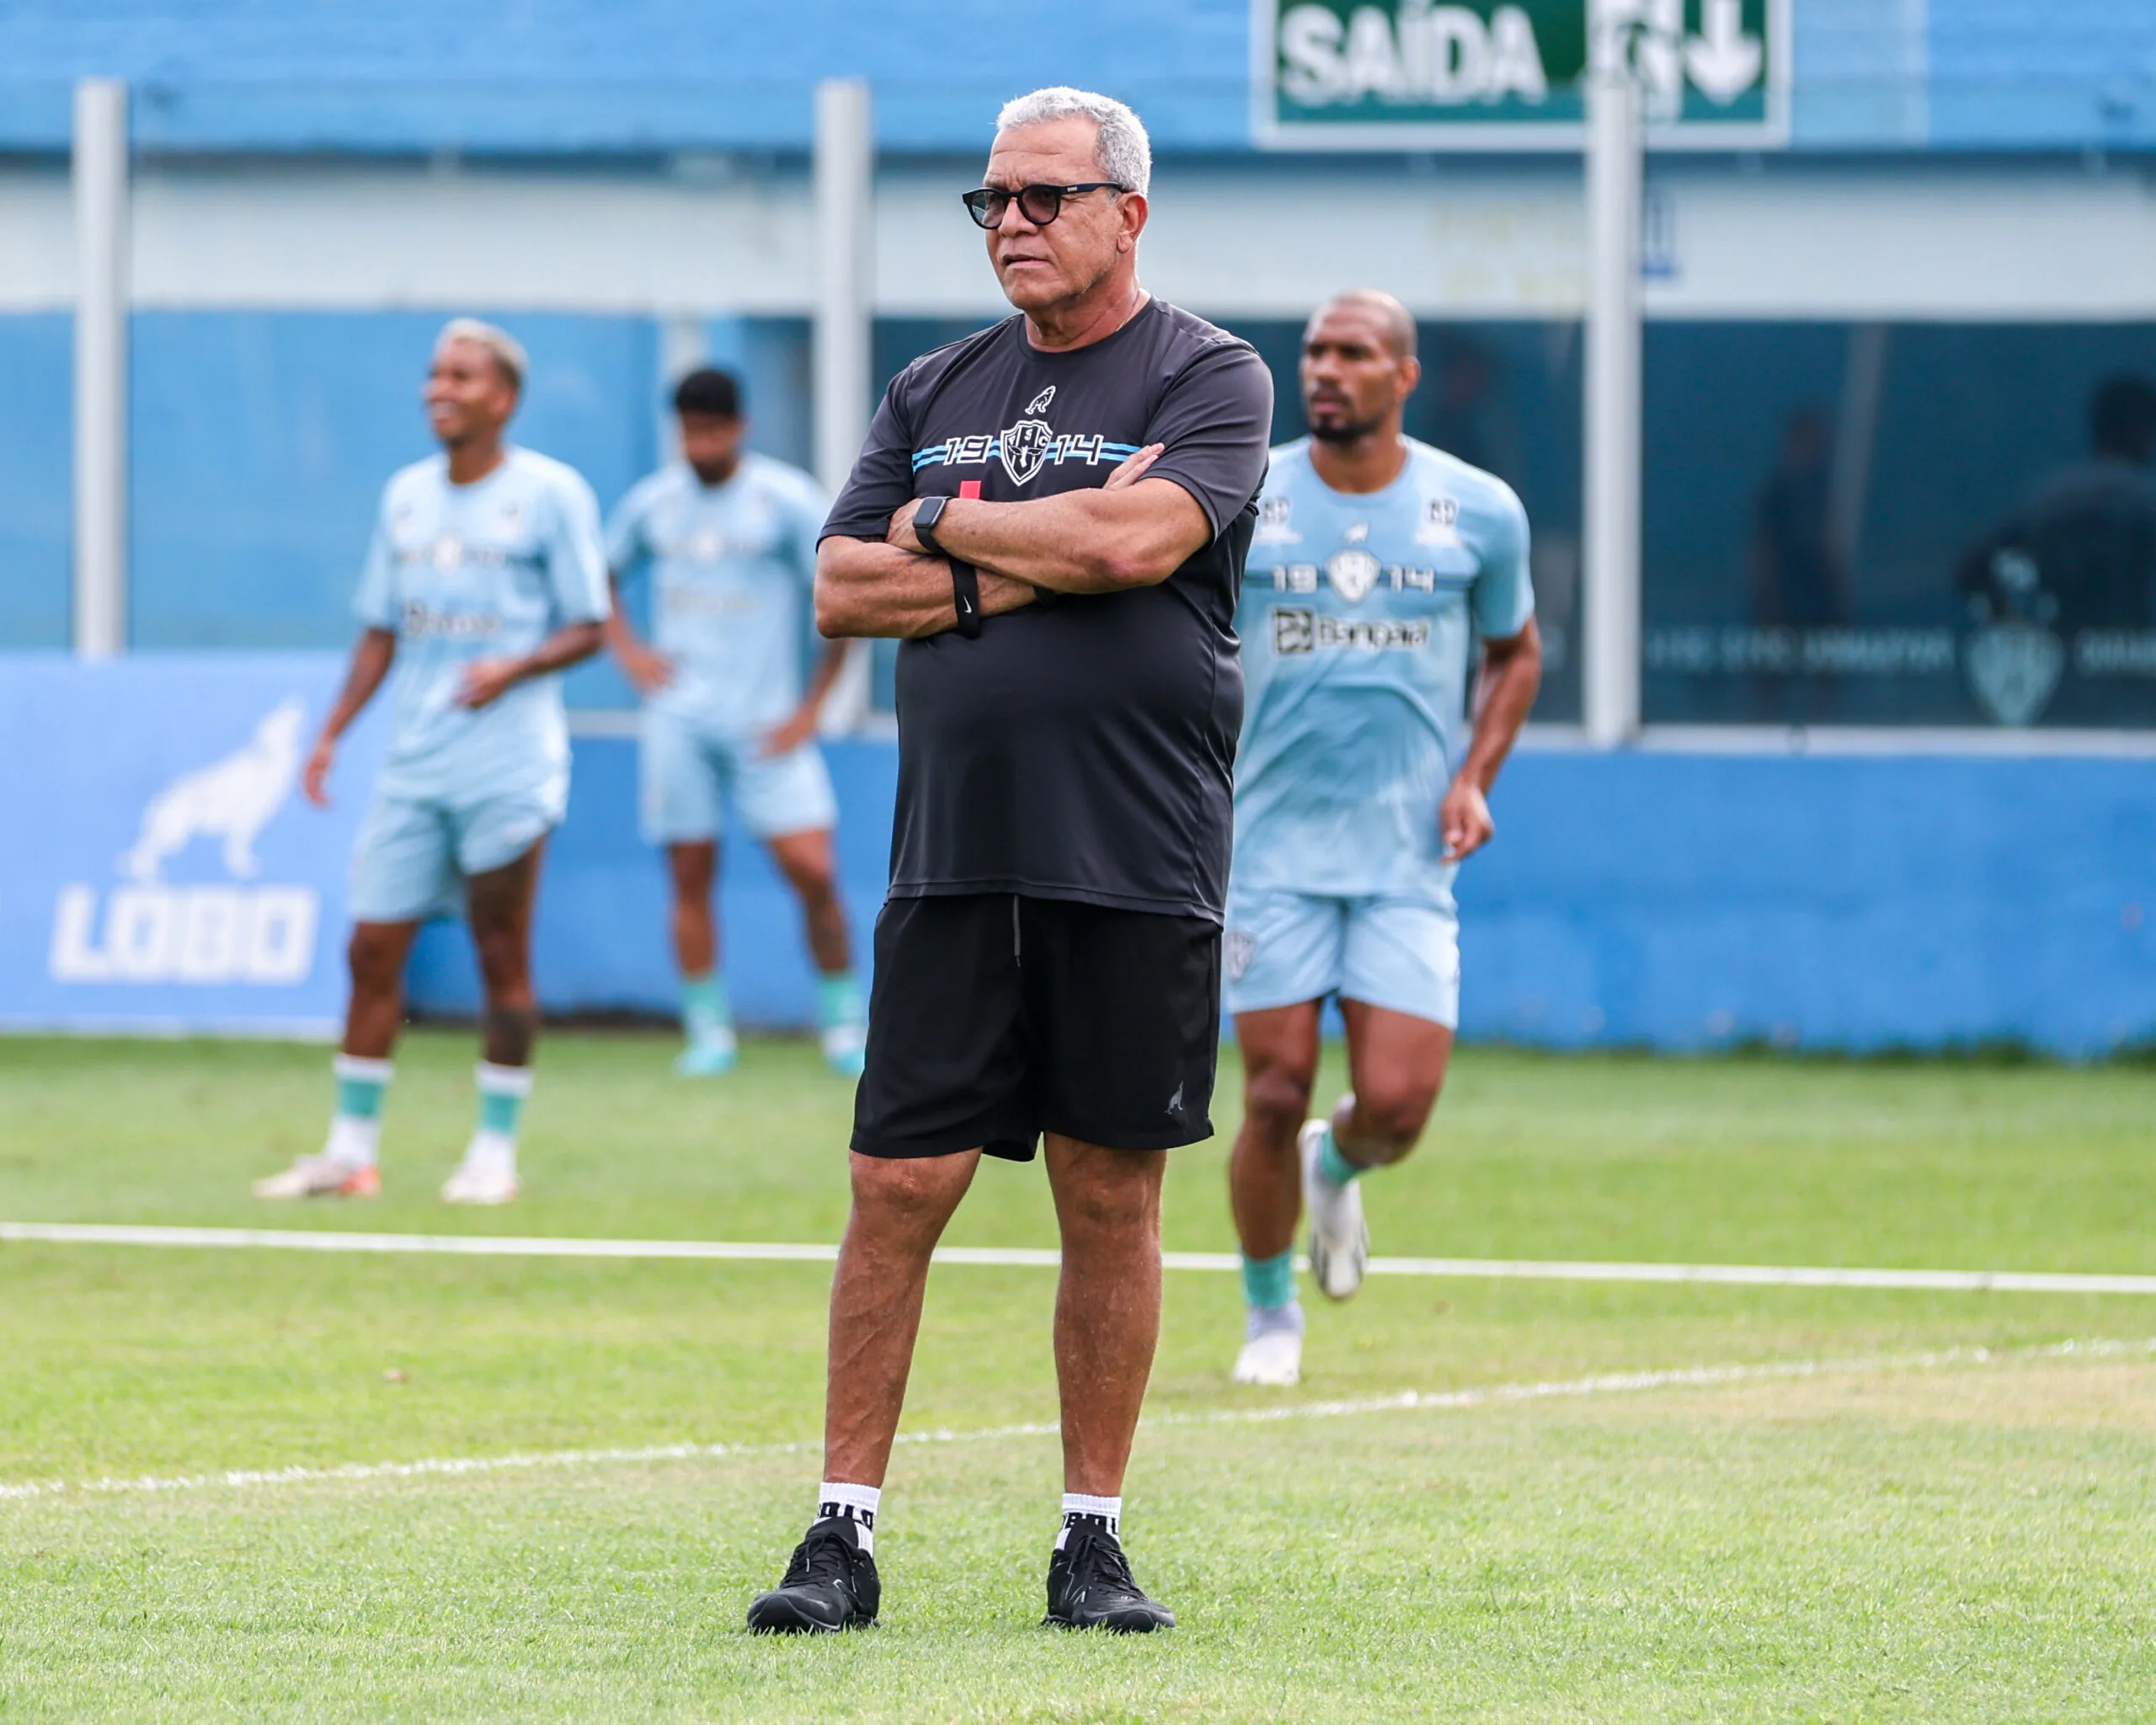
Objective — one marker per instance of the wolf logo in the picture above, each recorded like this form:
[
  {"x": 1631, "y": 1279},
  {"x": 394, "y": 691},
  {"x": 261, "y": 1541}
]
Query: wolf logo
[
  {"x": 1024, "y": 447},
  {"x": 1038, "y": 404},
  {"x": 233, "y": 799}
]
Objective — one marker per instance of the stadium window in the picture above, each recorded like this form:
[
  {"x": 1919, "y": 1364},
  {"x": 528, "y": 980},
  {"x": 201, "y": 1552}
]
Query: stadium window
[{"x": 1909, "y": 524}]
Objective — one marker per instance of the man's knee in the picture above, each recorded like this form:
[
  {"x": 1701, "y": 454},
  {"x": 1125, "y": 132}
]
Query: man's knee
[
  {"x": 1277, "y": 1097},
  {"x": 694, "y": 869},
  {"x": 810, "y": 870},
  {"x": 1395, "y": 1113},
  {"x": 376, "y": 955},
  {"x": 1111, "y": 1192},
  {"x": 902, "y": 1188},
  {"x": 505, "y": 965}
]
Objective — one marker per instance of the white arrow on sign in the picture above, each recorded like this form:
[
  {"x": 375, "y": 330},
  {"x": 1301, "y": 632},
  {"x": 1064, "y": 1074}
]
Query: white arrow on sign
[{"x": 1723, "y": 61}]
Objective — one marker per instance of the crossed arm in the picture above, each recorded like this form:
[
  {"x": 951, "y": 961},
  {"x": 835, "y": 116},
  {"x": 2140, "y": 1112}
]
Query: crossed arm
[{"x": 1131, "y": 532}]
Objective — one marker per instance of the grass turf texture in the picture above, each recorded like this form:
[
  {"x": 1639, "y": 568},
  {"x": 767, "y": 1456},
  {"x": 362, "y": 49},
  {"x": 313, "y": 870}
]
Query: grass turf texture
[{"x": 1967, "y": 1543}]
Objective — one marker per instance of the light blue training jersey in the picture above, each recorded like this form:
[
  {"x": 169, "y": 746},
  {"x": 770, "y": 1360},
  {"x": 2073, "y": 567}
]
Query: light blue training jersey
[
  {"x": 486, "y": 570},
  {"x": 733, "y": 566},
  {"x": 1360, "y": 618}
]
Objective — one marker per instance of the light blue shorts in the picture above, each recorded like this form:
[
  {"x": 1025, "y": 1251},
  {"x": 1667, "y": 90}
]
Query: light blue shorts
[
  {"x": 1280, "y": 949},
  {"x": 415, "y": 853},
  {"x": 686, "y": 774}
]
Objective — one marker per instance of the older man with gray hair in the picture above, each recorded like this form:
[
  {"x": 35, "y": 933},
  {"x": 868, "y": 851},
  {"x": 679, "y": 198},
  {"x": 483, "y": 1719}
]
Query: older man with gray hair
[{"x": 1053, "y": 516}]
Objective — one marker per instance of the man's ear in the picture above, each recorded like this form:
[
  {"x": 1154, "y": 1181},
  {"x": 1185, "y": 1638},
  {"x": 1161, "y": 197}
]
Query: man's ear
[{"x": 1134, "y": 208}]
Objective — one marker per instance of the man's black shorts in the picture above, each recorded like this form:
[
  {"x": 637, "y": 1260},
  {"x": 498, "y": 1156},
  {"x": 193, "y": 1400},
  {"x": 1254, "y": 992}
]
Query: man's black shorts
[{"x": 996, "y": 1018}]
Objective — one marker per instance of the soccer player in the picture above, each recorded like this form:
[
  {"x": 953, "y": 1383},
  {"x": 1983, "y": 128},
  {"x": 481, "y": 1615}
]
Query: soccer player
[
  {"x": 731, "y": 537},
  {"x": 485, "y": 580},
  {"x": 1053, "y": 516},
  {"x": 1382, "y": 572}
]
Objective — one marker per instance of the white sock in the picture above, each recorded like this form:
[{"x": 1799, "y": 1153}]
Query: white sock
[
  {"x": 836, "y": 1501},
  {"x": 1264, "y": 1320},
  {"x": 354, "y": 1143},
  {"x": 495, "y": 1152},
  {"x": 1078, "y": 1507}
]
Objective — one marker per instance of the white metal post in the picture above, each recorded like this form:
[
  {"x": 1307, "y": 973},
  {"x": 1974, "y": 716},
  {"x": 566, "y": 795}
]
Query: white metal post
[
  {"x": 1609, "y": 666},
  {"x": 682, "y": 347},
  {"x": 845, "y": 163},
  {"x": 101, "y": 222}
]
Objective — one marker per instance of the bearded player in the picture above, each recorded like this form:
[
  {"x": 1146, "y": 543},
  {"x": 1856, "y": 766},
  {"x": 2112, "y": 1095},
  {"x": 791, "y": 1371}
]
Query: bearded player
[{"x": 1384, "y": 577}]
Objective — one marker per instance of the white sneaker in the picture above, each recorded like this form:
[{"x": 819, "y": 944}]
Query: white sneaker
[
  {"x": 1273, "y": 1358},
  {"x": 486, "y": 1175},
  {"x": 1340, "y": 1238},
  {"x": 322, "y": 1176}
]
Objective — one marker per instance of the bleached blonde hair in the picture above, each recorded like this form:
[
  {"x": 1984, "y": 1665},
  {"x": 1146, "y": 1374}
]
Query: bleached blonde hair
[{"x": 507, "y": 350}]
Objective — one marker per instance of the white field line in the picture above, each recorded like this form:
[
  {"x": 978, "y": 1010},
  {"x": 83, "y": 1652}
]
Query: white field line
[
  {"x": 1037, "y": 1257},
  {"x": 1404, "y": 1401}
]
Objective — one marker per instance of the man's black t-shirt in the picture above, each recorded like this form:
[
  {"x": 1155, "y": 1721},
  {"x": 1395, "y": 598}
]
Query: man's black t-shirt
[{"x": 1084, "y": 750}]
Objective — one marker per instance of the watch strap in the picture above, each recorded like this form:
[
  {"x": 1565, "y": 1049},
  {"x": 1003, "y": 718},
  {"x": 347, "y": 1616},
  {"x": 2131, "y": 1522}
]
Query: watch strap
[
  {"x": 965, "y": 595},
  {"x": 924, "y": 520}
]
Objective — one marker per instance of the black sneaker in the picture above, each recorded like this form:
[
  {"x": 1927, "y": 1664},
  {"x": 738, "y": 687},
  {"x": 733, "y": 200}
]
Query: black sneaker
[
  {"x": 830, "y": 1585},
  {"x": 1090, "y": 1587}
]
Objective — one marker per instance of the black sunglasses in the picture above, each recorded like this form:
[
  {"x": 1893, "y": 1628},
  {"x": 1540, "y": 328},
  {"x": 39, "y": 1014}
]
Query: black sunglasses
[{"x": 1040, "y": 204}]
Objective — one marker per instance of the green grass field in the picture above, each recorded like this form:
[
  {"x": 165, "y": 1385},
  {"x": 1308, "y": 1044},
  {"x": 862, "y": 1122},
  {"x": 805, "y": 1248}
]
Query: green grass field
[{"x": 1972, "y": 1538}]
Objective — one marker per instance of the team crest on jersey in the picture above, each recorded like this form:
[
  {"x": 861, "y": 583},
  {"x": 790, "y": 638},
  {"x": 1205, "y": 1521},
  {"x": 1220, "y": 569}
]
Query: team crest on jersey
[
  {"x": 1024, "y": 447},
  {"x": 1038, "y": 404},
  {"x": 1273, "y": 528},
  {"x": 1352, "y": 573},
  {"x": 1440, "y": 522}
]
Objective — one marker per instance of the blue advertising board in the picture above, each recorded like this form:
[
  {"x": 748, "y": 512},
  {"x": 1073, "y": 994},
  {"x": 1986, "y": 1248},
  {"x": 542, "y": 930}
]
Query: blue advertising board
[{"x": 161, "y": 872}]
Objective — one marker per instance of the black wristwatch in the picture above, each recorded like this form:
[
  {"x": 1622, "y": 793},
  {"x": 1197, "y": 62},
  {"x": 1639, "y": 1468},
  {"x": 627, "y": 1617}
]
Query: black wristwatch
[{"x": 924, "y": 524}]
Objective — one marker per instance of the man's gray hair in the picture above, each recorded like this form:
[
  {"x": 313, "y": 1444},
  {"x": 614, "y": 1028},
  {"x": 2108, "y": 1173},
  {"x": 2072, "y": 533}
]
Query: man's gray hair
[
  {"x": 1122, "y": 153},
  {"x": 507, "y": 350}
]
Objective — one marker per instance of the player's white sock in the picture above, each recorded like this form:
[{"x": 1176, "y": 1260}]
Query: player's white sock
[
  {"x": 356, "y": 1128},
  {"x": 1077, "y": 1507},
  {"x": 837, "y": 1501},
  {"x": 1264, "y": 1320},
  {"x": 492, "y": 1153}
]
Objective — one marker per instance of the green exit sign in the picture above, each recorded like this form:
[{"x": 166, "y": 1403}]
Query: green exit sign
[{"x": 1411, "y": 74}]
